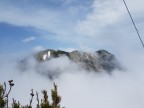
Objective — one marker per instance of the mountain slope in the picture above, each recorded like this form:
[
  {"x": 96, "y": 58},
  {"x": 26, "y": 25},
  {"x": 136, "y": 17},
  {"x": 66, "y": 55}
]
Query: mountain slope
[{"x": 98, "y": 61}]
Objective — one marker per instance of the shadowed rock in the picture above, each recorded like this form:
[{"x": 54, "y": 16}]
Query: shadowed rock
[{"x": 99, "y": 61}]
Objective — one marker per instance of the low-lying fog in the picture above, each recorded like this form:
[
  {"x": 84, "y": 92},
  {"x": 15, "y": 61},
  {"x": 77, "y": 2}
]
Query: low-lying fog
[{"x": 78, "y": 88}]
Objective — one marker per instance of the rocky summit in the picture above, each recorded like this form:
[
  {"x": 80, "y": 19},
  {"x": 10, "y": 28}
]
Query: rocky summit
[{"x": 98, "y": 61}]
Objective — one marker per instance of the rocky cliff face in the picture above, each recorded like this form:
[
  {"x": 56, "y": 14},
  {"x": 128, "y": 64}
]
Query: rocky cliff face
[{"x": 98, "y": 61}]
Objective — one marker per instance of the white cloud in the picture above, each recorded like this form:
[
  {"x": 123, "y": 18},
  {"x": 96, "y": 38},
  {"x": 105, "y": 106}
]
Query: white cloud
[
  {"x": 104, "y": 13},
  {"x": 100, "y": 28},
  {"x": 135, "y": 7},
  {"x": 42, "y": 18},
  {"x": 29, "y": 39},
  {"x": 78, "y": 88},
  {"x": 68, "y": 49},
  {"x": 38, "y": 48}
]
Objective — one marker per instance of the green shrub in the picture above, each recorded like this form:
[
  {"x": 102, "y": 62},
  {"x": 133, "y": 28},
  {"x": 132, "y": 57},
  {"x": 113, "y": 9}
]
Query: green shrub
[{"x": 44, "y": 103}]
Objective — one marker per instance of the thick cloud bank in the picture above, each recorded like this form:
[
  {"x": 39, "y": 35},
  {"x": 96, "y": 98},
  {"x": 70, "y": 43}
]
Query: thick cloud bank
[{"x": 78, "y": 88}]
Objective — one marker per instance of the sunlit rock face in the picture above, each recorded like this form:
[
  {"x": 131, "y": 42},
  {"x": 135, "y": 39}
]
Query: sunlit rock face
[
  {"x": 49, "y": 53},
  {"x": 98, "y": 61}
]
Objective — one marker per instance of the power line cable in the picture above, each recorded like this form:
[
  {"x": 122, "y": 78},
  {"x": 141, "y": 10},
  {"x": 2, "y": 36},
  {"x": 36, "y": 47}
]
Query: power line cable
[{"x": 133, "y": 23}]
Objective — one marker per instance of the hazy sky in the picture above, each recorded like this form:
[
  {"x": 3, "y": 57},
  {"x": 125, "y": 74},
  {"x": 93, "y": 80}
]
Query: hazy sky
[
  {"x": 27, "y": 25},
  {"x": 31, "y": 25}
]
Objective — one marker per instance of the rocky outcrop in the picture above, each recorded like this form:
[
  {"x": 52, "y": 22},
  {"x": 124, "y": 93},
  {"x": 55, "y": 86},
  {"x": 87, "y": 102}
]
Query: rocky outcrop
[{"x": 98, "y": 61}]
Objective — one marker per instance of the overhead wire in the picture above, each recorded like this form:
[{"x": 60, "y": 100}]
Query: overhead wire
[{"x": 134, "y": 23}]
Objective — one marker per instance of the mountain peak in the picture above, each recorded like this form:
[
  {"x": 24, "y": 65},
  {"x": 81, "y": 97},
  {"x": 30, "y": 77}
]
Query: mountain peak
[{"x": 98, "y": 61}]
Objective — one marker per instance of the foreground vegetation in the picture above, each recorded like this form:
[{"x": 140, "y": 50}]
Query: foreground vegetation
[{"x": 43, "y": 103}]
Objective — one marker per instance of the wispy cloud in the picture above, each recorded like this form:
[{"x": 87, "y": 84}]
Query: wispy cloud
[
  {"x": 104, "y": 13},
  {"x": 74, "y": 24},
  {"x": 29, "y": 39},
  {"x": 99, "y": 24},
  {"x": 38, "y": 48}
]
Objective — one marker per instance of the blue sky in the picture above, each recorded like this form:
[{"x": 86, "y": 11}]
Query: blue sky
[
  {"x": 68, "y": 24},
  {"x": 51, "y": 16},
  {"x": 17, "y": 38}
]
